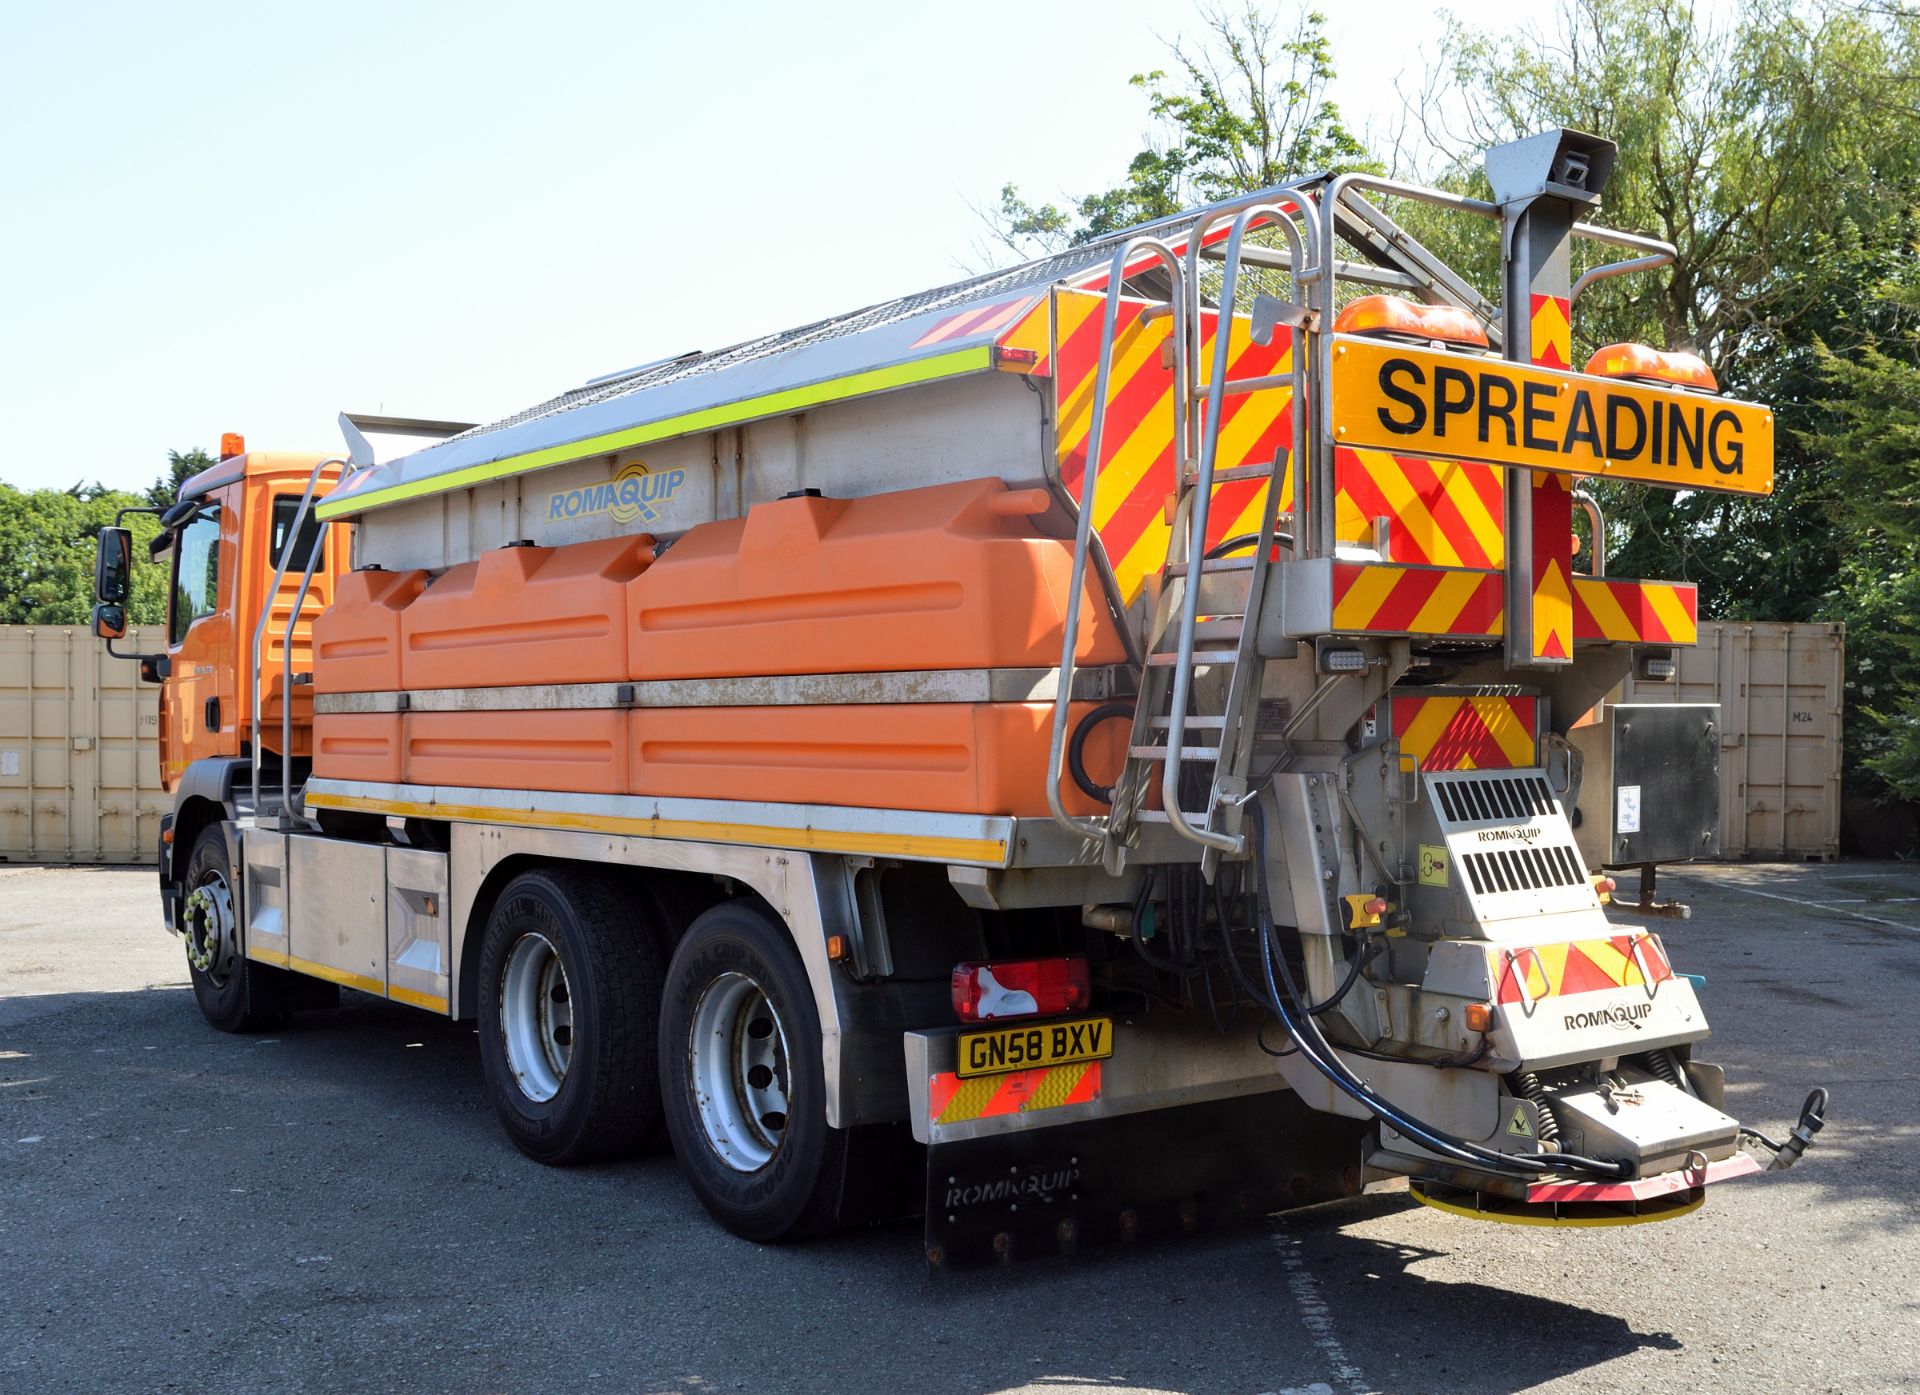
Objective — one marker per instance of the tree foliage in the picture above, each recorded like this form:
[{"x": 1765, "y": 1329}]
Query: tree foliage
[
  {"x": 47, "y": 539},
  {"x": 1244, "y": 108}
]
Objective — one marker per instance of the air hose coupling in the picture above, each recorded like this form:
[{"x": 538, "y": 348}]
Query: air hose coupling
[{"x": 1813, "y": 1118}]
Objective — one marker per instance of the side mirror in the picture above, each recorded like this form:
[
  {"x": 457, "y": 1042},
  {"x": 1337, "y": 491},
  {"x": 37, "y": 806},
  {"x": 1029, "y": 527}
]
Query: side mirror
[
  {"x": 113, "y": 573},
  {"x": 110, "y": 621},
  {"x": 155, "y": 668}
]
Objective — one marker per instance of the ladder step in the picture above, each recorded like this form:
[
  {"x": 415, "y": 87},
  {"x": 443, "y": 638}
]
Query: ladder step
[
  {"x": 1263, "y": 471},
  {"x": 1218, "y": 564},
  {"x": 1186, "y": 752},
  {"x": 1200, "y": 656},
  {"x": 1226, "y": 627},
  {"x": 1193, "y": 723}
]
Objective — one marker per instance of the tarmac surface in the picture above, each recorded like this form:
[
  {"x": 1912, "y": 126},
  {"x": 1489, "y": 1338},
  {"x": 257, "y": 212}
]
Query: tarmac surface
[{"x": 333, "y": 1208}]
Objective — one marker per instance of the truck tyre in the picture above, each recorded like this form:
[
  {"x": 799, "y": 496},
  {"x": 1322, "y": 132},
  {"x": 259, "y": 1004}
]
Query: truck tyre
[
  {"x": 235, "y": 994},
  {"x": 741, "y": 1077},
  {"x": 569, "y": 1008}
]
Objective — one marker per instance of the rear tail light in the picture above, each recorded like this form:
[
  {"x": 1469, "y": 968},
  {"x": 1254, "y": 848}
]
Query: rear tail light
[{"x": 1020, "y": 988}]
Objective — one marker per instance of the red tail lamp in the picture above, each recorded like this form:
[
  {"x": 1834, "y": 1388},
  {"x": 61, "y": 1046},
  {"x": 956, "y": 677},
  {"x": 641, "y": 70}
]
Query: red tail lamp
[{"x": 1020, "y": 988}]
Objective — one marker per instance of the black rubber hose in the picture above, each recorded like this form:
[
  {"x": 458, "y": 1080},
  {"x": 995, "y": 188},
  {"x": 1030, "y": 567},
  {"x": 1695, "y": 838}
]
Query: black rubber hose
[
  {"x": 1140, "y": 904},
  {"x": 1077, "y": 748},
  {"x": 1322, "y": 1056},
  {"x": 1228, "y": 546}
]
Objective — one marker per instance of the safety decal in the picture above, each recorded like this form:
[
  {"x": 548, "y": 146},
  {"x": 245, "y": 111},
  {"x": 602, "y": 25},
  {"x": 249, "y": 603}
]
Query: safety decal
[
  {"x": 1526, "y": 976},
  {"x": 1441, "y": 513},
  {"x": 1551, "y": 332},
  {"x": 1552, "y": 504},
  {"x": 1371, "y": 598},
  {"x": 1136, "y": 469},
  {"x": 1483, "y": 732},
  {"x": 1636, "y": 612},
  {"x": 952, "y": 1100},
  {"x": 1433, "y": 864},
  {"x": 974, "y": 320}
]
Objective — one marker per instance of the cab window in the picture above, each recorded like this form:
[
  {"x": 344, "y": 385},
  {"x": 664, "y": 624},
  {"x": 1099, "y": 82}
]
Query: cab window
[
  {"x": 196, "y": 573},
  {"x": 284, "y": 509}
]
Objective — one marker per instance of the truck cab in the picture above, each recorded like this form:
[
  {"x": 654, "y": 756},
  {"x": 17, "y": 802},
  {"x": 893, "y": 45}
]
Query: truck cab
[{"x": 230, "y": 547}]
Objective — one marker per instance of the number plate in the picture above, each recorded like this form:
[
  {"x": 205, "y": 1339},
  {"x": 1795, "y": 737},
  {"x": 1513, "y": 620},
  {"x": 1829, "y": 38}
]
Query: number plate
[{"x": 1035, "y": 1047}]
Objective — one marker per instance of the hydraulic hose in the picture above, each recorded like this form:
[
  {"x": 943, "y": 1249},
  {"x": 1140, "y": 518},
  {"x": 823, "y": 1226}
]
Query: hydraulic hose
[{"x": 1321, "y": 1055}]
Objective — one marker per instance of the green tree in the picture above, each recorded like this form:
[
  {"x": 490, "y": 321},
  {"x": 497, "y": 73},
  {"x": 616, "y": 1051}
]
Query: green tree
[
  {"x": 46, "y": 556},
  {"x": 1243, "y": 109},
  {"x": 1778, "y": 149},
  {"x": 1870, "y": 431},
  {"x": 181, "y": 466}
]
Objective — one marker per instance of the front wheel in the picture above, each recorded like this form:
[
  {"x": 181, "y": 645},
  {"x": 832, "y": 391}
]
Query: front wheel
[
  {"x": 234, "y": 994},
  {"x": 741, "y": 1079}
]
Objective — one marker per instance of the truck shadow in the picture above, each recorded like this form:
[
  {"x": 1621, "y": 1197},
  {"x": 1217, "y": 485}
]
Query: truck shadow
[{"x": 376, "y": 1111}]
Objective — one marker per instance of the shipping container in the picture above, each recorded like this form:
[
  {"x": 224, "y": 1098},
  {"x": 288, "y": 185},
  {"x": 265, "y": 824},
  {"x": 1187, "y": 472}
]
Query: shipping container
[
  {"x": 79, "y": 747},
  {"x": 1779, "y": 686}
]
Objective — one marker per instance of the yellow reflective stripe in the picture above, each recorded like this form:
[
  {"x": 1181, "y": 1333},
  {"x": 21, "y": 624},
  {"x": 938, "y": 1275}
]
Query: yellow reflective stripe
[
  {"x": 992, "y": 851},
  {"x": 432, "y": 1002},
  {"x": 345, "y": 977},
  {"x": 947, "y": 365},
  {"x": 267, "y": 956}
]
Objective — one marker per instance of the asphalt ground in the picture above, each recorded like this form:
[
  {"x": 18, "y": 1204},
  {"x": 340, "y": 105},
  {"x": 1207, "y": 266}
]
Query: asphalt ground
[{"x": 333, "y": 1209}]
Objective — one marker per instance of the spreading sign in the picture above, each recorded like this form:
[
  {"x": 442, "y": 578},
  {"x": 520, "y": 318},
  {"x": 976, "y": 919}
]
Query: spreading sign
[{"x": 1426, "y": 402}]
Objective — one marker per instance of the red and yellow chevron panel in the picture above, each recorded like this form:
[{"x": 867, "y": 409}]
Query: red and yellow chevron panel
[
  {"x": 1636, "y": 612},
  {"x": 975, "y": 320},
  {"x": 1578, "y": 966},
  {"x": 1478, "y": 732},
  {"x": 1032, "y": 332},
  {"x": 1378, "y": 598},
  {"x": 1551, "y": 336},
  {"x": 1440, "y": 513},
  {"x": 953, "y": 1100},
  {"x": 1552, "y": 501},
  {"x": 1136, "y": 475}
]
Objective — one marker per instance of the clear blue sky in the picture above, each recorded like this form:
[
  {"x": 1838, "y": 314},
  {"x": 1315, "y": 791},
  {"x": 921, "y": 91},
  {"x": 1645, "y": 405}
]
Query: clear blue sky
[{"x": 248, "y": 217}]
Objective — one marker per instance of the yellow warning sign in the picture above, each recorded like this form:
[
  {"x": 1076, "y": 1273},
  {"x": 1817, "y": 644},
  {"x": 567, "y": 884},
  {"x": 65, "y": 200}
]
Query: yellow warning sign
[
  {"x": 1520, "y": 1126},
  {"x": 1433, "y": 864}
]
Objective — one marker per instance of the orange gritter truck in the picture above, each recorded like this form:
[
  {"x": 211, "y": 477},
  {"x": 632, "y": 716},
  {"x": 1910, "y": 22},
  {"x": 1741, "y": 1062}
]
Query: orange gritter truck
[{"x": 1079, "y": 752}]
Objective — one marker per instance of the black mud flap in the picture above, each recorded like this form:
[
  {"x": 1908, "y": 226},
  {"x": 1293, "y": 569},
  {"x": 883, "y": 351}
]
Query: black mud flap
[{"x": 1047, "y": 1191}]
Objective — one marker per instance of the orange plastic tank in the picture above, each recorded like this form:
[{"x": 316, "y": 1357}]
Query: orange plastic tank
[
  {"x": 357, "y": 746},
  {"x": 356, "y": 639},
  {"x": 525, "y": 614},
  {"x": 580, "y": 752},
  {"x": 971, "y": 758},
  {"x": 951, "y": 576}
]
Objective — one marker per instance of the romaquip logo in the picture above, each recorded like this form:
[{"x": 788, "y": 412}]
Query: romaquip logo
[{"x": 636, "y": 492}]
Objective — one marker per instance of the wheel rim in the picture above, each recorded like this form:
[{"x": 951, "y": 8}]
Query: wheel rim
[
  {"x": 207, "y": 922},
  {"x": 536, "y": 1017},
  {"x": 738, "y": 1071}
]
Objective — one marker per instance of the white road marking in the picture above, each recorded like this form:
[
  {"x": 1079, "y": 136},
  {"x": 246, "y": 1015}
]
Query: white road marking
[
  {"x": 1318, "y": 1320},
  {"x": 1819, "y": 906}
]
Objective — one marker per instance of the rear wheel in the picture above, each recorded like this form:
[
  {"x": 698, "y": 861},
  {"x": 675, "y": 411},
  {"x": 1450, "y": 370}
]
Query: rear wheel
[
  {"x": 741, "y": 1079},
  {"x": 569, "y": 999},
  {"x": 235, "y": 994}
]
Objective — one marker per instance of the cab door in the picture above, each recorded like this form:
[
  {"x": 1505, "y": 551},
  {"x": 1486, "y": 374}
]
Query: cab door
[{"x": 200, "y": 714}]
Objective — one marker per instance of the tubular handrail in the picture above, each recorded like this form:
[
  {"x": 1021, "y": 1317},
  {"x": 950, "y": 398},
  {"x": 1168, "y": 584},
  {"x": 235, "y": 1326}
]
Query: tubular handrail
[
  {"x": 1658, "y": 254},
  {"x": 1089, "y": 481},
  {"x": 1201, "y": 497},
  {"x": 1597, "y": 527},
  {"x": 259, "y": 634}
]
